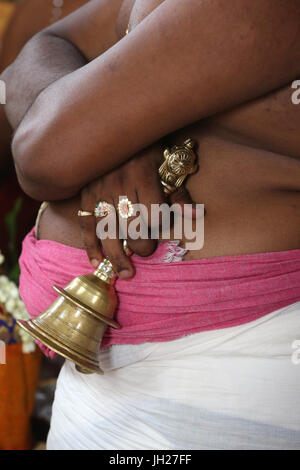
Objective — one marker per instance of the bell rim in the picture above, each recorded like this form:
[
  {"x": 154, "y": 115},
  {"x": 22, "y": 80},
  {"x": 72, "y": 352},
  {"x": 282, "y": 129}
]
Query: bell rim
[
  {"x": 38, "y": 334},
  {"x": 84, "y": 307}
]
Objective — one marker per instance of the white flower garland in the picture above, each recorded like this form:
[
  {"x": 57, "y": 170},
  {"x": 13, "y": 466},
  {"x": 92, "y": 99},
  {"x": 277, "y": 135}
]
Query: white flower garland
[{"x": 10, "y": 299}]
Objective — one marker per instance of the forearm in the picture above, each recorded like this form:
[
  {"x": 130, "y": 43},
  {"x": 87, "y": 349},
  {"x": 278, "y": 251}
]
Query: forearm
[
  {"x": 23, "y": 26},
  {"x": 44, "y": 60},
  {"x": 144, "y": 87},
  {"x": 30, "y": 17},
  {"x": 48, "y": 57}
]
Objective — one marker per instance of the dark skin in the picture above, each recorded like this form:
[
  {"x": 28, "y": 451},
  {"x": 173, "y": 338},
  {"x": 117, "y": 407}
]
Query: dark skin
[
  {"x": 145, "y": 96},
  {"x": 249, "y": 172},
  {"x": 21, "y": 28}
]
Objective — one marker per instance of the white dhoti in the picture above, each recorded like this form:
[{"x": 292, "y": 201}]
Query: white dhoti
[{"x": 235, "y": 388}]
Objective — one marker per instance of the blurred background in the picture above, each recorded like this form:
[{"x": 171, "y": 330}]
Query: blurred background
[{"x": 27, "y": 379}]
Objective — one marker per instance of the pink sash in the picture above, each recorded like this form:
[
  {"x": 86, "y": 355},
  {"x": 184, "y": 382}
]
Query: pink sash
[{"x": 165, "y": 301}]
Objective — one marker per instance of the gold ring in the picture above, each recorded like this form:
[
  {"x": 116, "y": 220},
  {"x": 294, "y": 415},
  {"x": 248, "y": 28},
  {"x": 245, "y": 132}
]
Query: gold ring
[
  {"x": 125, "y": 208},
  {"x": 84, "y": 213},
  {"x": 102, "y": 209},
  {"x": 179, "y": 162},
  {"x": 126, "y": 248}
]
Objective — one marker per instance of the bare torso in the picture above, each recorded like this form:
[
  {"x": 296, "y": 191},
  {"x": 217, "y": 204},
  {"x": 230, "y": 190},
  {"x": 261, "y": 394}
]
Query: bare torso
[{"x": 248, "y": 178}]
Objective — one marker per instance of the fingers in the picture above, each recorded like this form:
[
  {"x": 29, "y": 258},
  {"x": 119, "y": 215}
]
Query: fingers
[
  {"x": 142, "y": 247},
  {"x": 113, "y": 246},
  {"x": 183, "y": 198},
  {"x": 139, "y": 180},
  {"x": 88, "y": 229},
  {"x": 151, "y": 195},
  {"x": 121, "y": 262}
]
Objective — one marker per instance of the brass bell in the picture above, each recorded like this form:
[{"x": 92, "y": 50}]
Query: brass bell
[{"x": 74, "y": 325}]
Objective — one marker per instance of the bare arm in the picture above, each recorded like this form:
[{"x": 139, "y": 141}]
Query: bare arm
[
  {"x": 184, "y": 62},
  {"x": 30, "y": 17},
  {"x": 48, "y": 57}
]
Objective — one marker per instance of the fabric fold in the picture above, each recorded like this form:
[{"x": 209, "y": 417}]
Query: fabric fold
[{"x": 168, "y": 300}]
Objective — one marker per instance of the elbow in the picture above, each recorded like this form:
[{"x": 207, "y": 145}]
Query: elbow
[{"x": 38, "y": 174}]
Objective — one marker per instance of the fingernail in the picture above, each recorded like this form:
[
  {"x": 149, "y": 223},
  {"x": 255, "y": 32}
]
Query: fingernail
[
  {"x": 95, "y": 263},
  {"x": 125, "y": 274}
]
